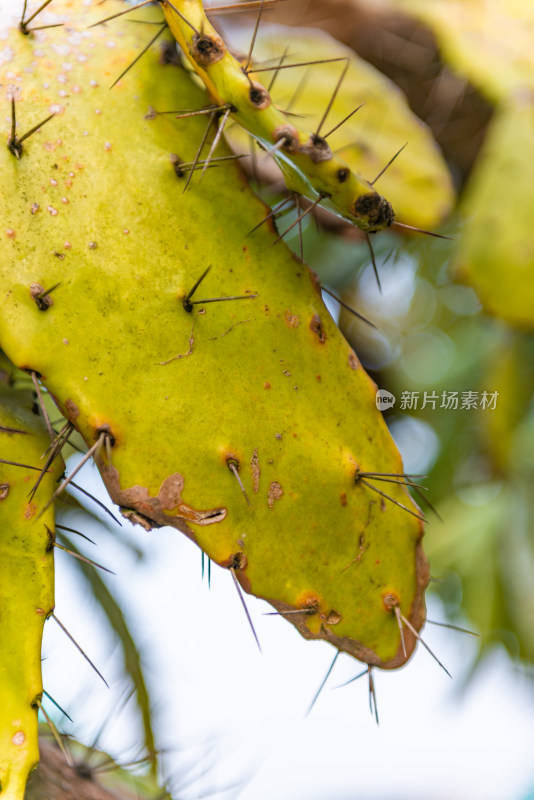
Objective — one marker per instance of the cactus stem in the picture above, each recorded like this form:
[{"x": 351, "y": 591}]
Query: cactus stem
[
  {"x": 216, "y": 140},
  {"x": 77, "y": 646},
  {"x": 323, "y": 682},
  {"x": 334, "y": 95},
  {"x": 200, "y": 147},
  {"x": 249, "y": 618},
  {"x": 373, "y": 261},
  {"x": 120, "y": 13},
  {"x": 97, "y": 501},
  {"x": 299, "y": 218},
  {"x": 143, "y": 51},
  {"x": 359, "y": 479},
  {"x": 233, "y": 466},
  {"x": 23, "y": 24},
  {"x": 49, "y": 696},
  {"x": 14, "y": 144},
  {"x": 73, "y": 530},
  {"x": 335, "y": 128},
  {"x": 349, "y": 308},
  {"x": 390, "y": 162},
  {"x": 186, "y": 300},
  {"x": 55, "y": 733},
  {"x": 53, "y": 451},
  {"x": 182, "y": 16},
  {"x": 37, "y": 388},
  {"x": 63, "y": 485}
]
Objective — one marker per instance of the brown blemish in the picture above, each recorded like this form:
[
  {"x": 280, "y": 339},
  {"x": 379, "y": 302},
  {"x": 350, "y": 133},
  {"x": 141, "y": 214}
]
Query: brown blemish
[
  {"x": 40, "y": 612},
  {"x": 168, "y": 54},
  {"x": 333, "y": 617},
  {"x": 353, "y": 361},
  {"x": 375, "y": 209},
  {"x": 30, "y": 510},
  {"x": 266, "y": 385},
  {"x": 317, "y": 149},
  {"x": 206, "y": 49},
  {"x": 156, "y": 509},
  {"x": 316, "y": 326},
  {"x": 292, "y": 320},
  {"x": 138, "y": 519},
  {"x": 275, "y": 493},
  {"x": 343, "y": 498},
  {"x": 343, "y": 174},
  {"x": 11, "y": 234},
  {"x": 259, "y": 96},
  {"x": 256, "y": 471},
  {"x": 72, "y": 410},
  {"x": 4, "y": 490}
]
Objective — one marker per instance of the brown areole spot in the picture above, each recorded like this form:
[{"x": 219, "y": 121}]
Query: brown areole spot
[
  {"x": 206, "y": 49},
  {"x": 316, "y": 326}
]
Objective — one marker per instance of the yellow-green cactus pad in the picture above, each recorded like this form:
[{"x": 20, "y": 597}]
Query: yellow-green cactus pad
[
  {"x": 495, "y": 254},
  {"x": 186, "y": 396},
  {"x": 26, "y": 585}
]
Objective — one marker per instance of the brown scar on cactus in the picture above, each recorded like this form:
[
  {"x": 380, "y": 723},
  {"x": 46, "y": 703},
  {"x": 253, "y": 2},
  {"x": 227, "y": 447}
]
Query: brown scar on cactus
[{"x": 166, "y": 508}]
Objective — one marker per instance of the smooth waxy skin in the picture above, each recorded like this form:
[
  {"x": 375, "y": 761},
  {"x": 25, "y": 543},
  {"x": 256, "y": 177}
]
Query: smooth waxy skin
[
  {"x": 265, "y": 384},
  {"x": 26, "y": 584}
]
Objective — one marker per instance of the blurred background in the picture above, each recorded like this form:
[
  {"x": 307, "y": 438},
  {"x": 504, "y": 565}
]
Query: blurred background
[{"x": 453, "y": 82}]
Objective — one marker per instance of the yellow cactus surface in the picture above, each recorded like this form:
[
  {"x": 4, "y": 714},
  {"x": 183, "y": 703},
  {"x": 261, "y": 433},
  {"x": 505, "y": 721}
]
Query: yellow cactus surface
[
  {"x": 26, "y": 585},
  {"x": 249, "y": 423}
]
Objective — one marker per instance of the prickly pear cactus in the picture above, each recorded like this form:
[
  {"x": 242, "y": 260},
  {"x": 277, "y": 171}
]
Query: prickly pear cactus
[
  {"x": 200, "y": 364},
  {"x": 27, "y": 585}
]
